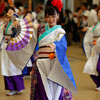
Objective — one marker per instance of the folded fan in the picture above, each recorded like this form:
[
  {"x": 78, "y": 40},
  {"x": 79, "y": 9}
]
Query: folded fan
[{"x": 22, "y": 36}]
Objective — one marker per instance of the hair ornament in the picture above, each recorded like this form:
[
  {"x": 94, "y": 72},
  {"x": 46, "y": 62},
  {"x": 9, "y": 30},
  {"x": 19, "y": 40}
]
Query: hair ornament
[{"x": 58, "y": 4}]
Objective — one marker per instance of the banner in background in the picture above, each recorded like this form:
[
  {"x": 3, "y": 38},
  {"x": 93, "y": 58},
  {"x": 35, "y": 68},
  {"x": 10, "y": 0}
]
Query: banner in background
[{"x": 2, "y": 6}]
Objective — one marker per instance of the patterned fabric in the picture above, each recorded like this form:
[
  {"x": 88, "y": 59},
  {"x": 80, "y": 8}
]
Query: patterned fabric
[
  {"x": 66, "y": 95},
  {"x": 33, "y": 81},
  {"x": 41, "y": 30}
]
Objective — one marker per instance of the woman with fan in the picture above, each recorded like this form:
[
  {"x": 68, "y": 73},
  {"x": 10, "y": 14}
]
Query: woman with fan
[
  {"x": 12, "y": 75},
  {"x": 53, "y": 79}
]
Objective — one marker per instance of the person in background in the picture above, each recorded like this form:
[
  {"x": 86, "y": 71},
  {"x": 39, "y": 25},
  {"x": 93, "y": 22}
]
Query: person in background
[
  {"x": 13, "y": 78},
  {"x": 61, "y": 19},
  {"x": 85, "y": 24},
  {"x": 76, "y": 24},
  {"x": 92, "y": 51},
  {"x": 93, "y": 19},
  {"x": 34, "y": 17},
  {"x": 85, "y": 19},
  {"x": 84, "y": 8},
  {"x": 68, "y": 25},
  {"x": 40, "y": 14},
  {"x": 20, "y": 12}
]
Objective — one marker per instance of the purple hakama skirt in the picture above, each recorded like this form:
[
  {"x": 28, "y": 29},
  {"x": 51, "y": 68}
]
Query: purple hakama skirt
[
  {"x": 95, "y": 78},
  {"x": 14, "y": 83}
]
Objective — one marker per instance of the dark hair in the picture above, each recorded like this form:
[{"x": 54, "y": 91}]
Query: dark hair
[
  {"x": 40, "y": 6},
  {"x": 6, "y": 1},
  {"x": 79, "y": 8},
  {"x": 68, "y": 12},
  {"x": 98, "y": 10},
  {"x": 49, "y": 4},
  {"x": 27, "y": 13},
  {"x": 18, "y": 4},
  {"x": 61, "y": 18},
  {"x": 94, "y": 6},
  {"x": 84, "y": 4},
  {"x": 7, "y": 9},
  {"x": 50, "y": 11}
]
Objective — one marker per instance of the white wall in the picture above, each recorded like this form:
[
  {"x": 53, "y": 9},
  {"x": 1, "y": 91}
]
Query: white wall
[
  {"x": 71, "y": 5},
  {"x": 96, "y": 1}
]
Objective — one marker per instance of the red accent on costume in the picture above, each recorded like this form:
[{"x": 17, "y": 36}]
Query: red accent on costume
[
  {"x": 94, "y": 42},
  {"x": 51, "y": 55}
]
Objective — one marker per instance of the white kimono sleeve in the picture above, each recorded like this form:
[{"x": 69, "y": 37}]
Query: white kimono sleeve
[{"x": 88, "y": 42}]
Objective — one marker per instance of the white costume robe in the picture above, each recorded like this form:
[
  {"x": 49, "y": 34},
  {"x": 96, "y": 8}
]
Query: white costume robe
[
  {"x": 7, "y": 67},
  {"x": 92, "y": 51},
  {"x": 50, "y": 69}
]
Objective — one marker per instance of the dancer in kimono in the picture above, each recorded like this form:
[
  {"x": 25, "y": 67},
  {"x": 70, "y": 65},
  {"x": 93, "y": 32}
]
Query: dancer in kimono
[
  {"x": 13, "y": 78},
  {"x": 92, "y": 51},
  {"x": 52, "y": 78}
]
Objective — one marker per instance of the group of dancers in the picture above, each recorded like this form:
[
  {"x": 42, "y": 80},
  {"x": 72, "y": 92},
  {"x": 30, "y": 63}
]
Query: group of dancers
[{"x": 51, "y": 76}]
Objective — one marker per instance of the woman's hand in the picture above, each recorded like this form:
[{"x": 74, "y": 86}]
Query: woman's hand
[
  {"x": 16, "y": 24},
  {"x": 52, "y": 46},
  {"x": 85, "y": 29}
]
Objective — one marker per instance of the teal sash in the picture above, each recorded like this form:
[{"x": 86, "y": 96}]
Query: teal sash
[
  {"x": 8, "y": 27},
  {"x": 95, "y": 26},
  {"x": 48, "y": 31}
]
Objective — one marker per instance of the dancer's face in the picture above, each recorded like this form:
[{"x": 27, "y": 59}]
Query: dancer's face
[
  {"x": 10, "y": 12},
  {"x": 30, "y": 15},
  {"x": 51, "y": 19}
]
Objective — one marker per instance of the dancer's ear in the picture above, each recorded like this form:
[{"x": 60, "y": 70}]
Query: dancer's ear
[{"x": 57, "y": 16}]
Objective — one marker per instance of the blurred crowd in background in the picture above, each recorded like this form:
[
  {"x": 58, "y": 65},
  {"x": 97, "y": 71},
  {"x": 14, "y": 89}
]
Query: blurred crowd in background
[{"x": 73, "y": 23}]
